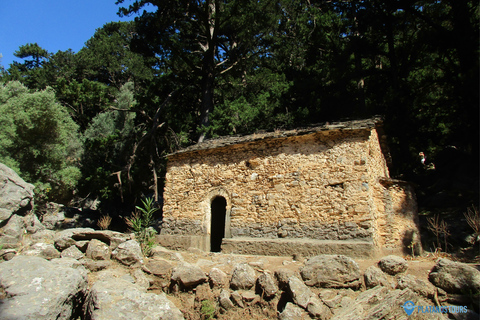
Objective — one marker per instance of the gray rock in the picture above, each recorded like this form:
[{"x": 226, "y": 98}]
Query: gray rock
[
  {"x": 237, "y": 298},
  {"x": 243, "y": 277},
  {"x": 140, "y": 279},
  {"x": 43, "y": 236},
  {"x": 305, "y": 298},
  {"x": 158, "y": 267},
  {"x": 68, "y": 263},
  {"x": 423, "y": 288},
  {"x": 11, "y": 234},
  {"x": 267, "y": 285},
  {"x": 96, "y": 265},
  {"x": 249, "y": 296},
  {"x": 293, "y": 312},
  {"x": 299, "y": 292},
  {"x": 318, "y": 309},
  {"x": 72, "y": 252},
  {"x": 82, "y": 245},
  {"x": 54, "y": 217},
  {"x": 373, "y": 277},
  {"x": 331, "y": 271},
  {"x": 393, "y": 264},
  {"x": 455, "y": 277},
  {"x": 224, "y": 299},
  {"x": 330, "y": 298},
  {"x": 65, "y": 238},
  {"x": 16, "y": 196},
  {"x": 164, "y": 253},
  {"x": 188, "y": 275},
  {"x": 43, "y": 250},
  {"x": 7, "y": 254},
  {"x": 39, "y": 289},
  {"x": 282, "y": 276},
  {"x": 97, "y": 250},
  {"x": 129, "y": 253},
  {"x": 117, "y": 298},
  {"x": 382, "y": 303},
  {"x": 217, "y": 278},
  {"x": 32, "y": 224}
]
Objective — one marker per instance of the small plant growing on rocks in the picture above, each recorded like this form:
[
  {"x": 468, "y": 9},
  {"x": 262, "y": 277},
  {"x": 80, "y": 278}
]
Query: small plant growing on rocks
[
  {"x": 141, "y": 223},
  {"x": 207, "y": 310},
  {"x": 439, "y": 228},
  {"x": 104, "y": 222},
  {"x": 473, "y": 219}
]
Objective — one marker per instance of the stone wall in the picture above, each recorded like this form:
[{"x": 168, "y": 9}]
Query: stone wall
[{"x": 321, "y": 185}]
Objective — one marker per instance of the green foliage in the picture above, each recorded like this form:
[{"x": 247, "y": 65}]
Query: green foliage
[
  {"x": 255, "y": 103},
  {"x": 108, "y": 140},
  {"x": 207, "y": 309},
  {"x": 141, "y": 223},
  {"x": 39, "y": 140}
]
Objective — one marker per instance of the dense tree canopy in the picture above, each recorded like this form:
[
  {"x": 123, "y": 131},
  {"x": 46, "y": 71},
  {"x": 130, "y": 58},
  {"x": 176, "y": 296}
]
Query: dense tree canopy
[{"x": 186, "y": 70}]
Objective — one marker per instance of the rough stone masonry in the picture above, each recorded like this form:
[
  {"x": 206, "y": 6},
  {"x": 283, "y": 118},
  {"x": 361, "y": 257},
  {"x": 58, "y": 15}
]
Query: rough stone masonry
[{"x": 324, "y": 189}]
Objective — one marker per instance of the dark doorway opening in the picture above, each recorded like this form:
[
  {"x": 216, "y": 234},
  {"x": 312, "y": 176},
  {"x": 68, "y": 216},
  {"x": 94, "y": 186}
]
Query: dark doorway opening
[{"x": 217, "y": 231}]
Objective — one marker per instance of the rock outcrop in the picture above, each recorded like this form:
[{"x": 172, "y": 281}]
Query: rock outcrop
[
  {"x": 16, "y": 196},
  {"x": 112, "y": 297},
  {"x": 90, "y": 274},
  {"x": 455, "y": 277},
  {"x": 38, "y": 289}
]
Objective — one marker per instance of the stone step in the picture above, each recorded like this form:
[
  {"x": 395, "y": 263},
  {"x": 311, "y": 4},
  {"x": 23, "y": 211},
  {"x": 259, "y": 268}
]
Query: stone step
[{"x": 304, "y": 247}]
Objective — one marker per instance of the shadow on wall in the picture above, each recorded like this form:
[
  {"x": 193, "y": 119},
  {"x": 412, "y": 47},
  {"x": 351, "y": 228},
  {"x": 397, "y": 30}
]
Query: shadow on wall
[{"x": 401, "y": 215}]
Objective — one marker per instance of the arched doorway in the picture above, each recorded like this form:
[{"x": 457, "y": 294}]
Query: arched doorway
[{"x": 217, "y": 230}]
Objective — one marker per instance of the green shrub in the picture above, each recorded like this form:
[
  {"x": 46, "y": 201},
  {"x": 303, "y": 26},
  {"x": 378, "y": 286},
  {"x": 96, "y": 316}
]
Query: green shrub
[
  {"x": 141, "y": 223},
  {"x": 39, "y": 140}
]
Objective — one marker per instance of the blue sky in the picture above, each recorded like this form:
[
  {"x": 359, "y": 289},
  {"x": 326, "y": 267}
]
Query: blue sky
[{"x": 53, "y": 24}]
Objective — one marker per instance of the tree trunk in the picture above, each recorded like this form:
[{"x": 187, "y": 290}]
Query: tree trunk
[{"x": 208, "y": 78}]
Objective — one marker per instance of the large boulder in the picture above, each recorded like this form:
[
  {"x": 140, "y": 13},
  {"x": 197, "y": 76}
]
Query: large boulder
[
  {"x": 382, "y": 303},
  {"x": 331, "y": 271},
  {"x": 423, "y": 288},
  {"x": 118, "y": 298},
  {"x": 43, "y": 250},
  {"x": 38, "y": 289},
  {"x": 16, "y": 196},
  {"x": 68, "y": 237},
  {"x": 455, "y": 277}
]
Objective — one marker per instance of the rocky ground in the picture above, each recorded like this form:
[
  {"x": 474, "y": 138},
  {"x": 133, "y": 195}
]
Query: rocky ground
[{"x": 81, "y": 273}]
